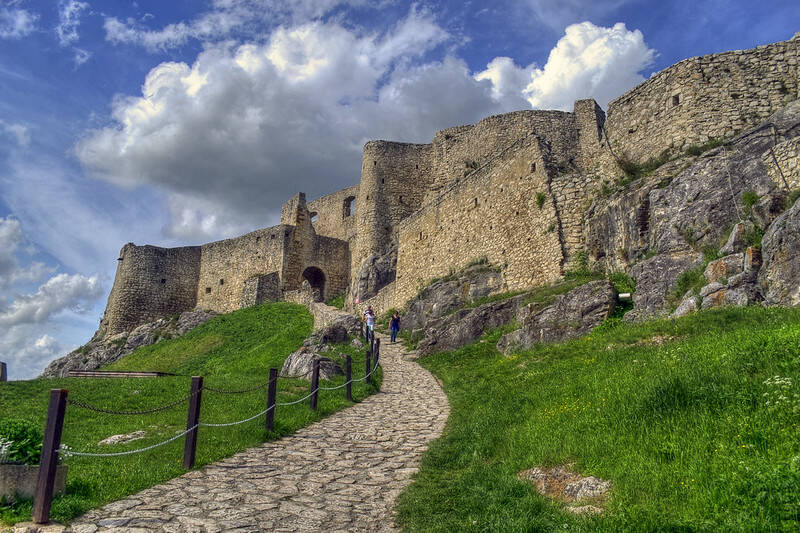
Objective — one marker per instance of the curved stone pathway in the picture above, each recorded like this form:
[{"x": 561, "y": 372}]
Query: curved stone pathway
[{"x": 342, "y": 473}]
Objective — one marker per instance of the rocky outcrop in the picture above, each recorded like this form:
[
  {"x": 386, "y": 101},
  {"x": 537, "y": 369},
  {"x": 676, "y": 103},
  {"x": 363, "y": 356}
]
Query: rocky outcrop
[
  {"x": 101, "y": 351},
  {"x": 445, "y": 296},
  {"x": 571, "y": 315},
  {"x": 732, "y": 280},
  {"x": 337, "y": 331},
  {"x": 300, "y": 364},
  {"x": 464, "y": 326},
  {"x": 375, "y": 273},
  {"x": 655, "y": 279},
  {"x": 780, "y": 274}
]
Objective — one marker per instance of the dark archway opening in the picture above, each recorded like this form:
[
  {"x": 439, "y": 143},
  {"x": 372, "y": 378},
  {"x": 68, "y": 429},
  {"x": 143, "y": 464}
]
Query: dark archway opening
[{"x": 316, "y": 279}]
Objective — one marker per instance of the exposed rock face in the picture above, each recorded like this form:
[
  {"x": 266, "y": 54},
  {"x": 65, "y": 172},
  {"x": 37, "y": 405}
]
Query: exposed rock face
[
  {"x": 733, "y": 280},
  {"x": 571, "y": 315},
  {"x": 336, "y": 332},
  {"x": 443, "y": 297},
  {"x": 376, "y": 272},
  {"x": 655, "y": 279},
  {"x": 301, "y": 364},
  {"x": 724, "y": 268},
  {"x": 101, "y": 351},
  {"x": 562, "y": 484},
  {"x": 464, "y": 326},
  {"x": 780, "y": 273}
]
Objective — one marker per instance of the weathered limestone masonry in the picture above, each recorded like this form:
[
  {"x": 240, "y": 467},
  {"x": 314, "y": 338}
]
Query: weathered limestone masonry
[
  {"x": 489, "y": 213},
  {"x": 513, "y": 188},
  {"x": 226, "y": 275},
  {"x": 787, "y": 171},
  {"x": 151, "y": 283},
  {"x": 706, "y": 97}
]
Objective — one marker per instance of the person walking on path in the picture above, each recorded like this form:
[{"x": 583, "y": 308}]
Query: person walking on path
[
  {"x": 369, "y": 317},
  {"x": 395, "y": 325}
]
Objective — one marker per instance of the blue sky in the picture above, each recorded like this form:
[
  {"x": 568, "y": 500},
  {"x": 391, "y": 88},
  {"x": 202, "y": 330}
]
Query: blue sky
[{"x": 180, "y": 122}]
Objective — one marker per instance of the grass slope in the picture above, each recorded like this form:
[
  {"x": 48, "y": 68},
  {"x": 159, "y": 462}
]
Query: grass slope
[
  {"x": 695, "y": 422},
  {"x": 232, "y": 352}
]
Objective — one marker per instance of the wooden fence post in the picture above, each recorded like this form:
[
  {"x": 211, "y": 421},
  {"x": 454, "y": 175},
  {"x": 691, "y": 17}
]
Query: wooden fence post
[
  {"x": 361, "y": 331},
  {"x": 312, "y": 402},
  {"x": 377, "y": 352},
  {"x": 272, "y": 390},
  {"x": 348, "y": 369},
  {"x": 372, "y": 341},
  {"x": 3, "y": 371},
  {"x": 47, "y": 466},
  {"x": 193, "y": 417},
  {"x": 368, "y": 365}
]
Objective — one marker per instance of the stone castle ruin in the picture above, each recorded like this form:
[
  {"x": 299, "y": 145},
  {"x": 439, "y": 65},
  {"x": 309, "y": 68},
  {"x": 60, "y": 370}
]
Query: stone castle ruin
[{"x": 527, "y": 190}]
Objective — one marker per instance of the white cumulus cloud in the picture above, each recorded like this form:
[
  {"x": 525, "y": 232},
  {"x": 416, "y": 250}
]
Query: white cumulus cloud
[
  {"x": 61, "y": 292},
  {"x": 16, "y": 22},
  {"x": 233, "y": 135},
  {"x": 589, "y": 61}
]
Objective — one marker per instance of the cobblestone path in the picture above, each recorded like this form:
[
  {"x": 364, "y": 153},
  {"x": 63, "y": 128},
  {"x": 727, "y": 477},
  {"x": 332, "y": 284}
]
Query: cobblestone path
[{"x": 342, "y": 473}]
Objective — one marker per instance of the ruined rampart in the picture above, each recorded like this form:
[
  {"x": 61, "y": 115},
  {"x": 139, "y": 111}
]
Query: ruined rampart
[
  {"x": 333, "y": 215},
  {"x": 706, "y": 97},
  {"x": 226, "y": 265},
  {"x": 151, "y": 283},
  {"x": 503, "y": 211}
]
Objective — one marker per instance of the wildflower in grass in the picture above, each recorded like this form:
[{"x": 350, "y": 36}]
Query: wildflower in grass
[{"x": 5, "y": 448}]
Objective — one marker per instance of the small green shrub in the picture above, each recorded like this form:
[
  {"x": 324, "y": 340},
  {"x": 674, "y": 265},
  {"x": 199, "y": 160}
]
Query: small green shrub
[
  {"x": 622, "y": 282},
  {"x": 20, "y": 442},
  {"x": 697, "y": 149},
  {"x": 749, "y": 199},
  {"x": 690, "y": 280},
  {"x": 792, "y": 198},
  {"x": 336, "y": 301},
  {"x": 540, "y": 198},
  {"x": 634, "y": 171}
]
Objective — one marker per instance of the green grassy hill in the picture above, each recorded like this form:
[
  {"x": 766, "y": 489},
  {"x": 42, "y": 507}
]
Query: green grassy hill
[
  {"x": 694, "y": 421},
  {"x": 232, "y": 352}
]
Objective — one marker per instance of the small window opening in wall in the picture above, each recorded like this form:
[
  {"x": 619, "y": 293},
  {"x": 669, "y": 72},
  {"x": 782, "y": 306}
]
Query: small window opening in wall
[
  {"x": 208, "y": 290},
  {"x": 383, "y": 181},
  {"x": 533, "y": 167},
  {"x": 676, "y": 99},
  {"x": 314, "y": 217},
  {"x": 517, "y": 213},
  {"x": 420, "y": 235},
  {"x": 416, "y": 166},
  {"x": 272, "y": 236},
  {"x": 222, "y": 282},
  {"x": 163, "y": 281},
  {"x": 349, "y": 206},
  {"x": 501, "y": 189},
  {"x": 401, "y": 199},
  {"x": 258, "y": 239},
  {"x": 475, "y": 202},
  {"x": 374, "y": 163}
]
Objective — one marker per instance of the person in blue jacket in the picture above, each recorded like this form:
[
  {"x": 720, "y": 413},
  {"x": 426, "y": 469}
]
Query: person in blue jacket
[{"x": 395, "y": 325}]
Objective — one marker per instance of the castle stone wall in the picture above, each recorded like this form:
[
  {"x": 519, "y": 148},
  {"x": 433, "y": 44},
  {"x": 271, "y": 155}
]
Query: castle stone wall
[
  {"x": 151, "y": 283},
  {"x": 261, "y": 288},
  {"x": 394, "y": 180},
  {"x": 226, "y": 265},
  {"x": 787, "y": 170},
  {"x": 335, "y": 214},
  {"x": 706, "y": 97},
  {"x": 458, "y": 151},
  {"x": 492, "y": 213}
]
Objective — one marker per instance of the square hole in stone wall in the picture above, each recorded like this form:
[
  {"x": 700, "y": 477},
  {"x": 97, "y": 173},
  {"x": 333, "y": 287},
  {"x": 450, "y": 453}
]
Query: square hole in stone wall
[{"x": 208, "y": 290}]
